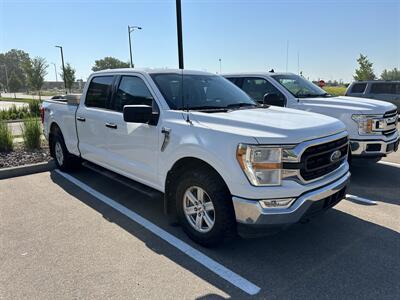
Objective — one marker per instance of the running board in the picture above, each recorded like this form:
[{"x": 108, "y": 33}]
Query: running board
[{"x": 137, "y": 186}]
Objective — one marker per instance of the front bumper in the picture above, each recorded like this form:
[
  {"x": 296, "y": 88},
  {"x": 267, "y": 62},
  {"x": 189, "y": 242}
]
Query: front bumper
[
  {"x": 250, "y": 212},
  {"x": 373, "y": 148}
]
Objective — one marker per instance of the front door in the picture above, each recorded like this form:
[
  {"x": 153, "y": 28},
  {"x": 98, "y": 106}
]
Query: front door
[{"x": 133, "y": 148}]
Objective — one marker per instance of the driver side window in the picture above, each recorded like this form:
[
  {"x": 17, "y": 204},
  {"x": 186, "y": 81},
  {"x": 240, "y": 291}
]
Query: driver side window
[
  {"x": 256, "y": 88},
  {"x": 132, "y": 91}
]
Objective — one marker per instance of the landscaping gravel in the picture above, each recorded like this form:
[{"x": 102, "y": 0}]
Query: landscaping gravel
[{"x": 20, "y": 156}]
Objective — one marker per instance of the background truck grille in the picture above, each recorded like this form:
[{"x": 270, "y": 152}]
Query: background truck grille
[
  {"x": 316, "y": 160},
  {"x": 390, "y": 114}
]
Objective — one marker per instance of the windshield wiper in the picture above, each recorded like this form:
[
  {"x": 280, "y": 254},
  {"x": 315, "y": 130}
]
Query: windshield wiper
[
  {"x": 311, "y": 95},
  {"x": 208, "y": 108},
  {"x": 240, "y": 105},
  {"x": 326, "y": 95}
]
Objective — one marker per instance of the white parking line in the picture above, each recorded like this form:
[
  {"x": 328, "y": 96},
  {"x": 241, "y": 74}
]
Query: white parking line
[
  {"x": 195, "y": 254},
  {"x": 389, "y": 163},
  {"x": 360, "y": 199}
]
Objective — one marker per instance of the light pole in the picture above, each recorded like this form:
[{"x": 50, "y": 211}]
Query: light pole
[
  {"x": 63, "y": 67},
  {"x": 220, "y": 67},
  {"x": 130, "y": 30},
  {"x": 5, "y": 68},
  {"x": 55, "y": 70}
]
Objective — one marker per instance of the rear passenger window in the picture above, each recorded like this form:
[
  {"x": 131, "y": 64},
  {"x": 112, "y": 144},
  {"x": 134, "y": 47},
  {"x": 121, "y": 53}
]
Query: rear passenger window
[
  {"x": 98, "y": 91},
  {"x": 132, "y": 91},
  {"x": 383, "y": 88},
  {"x": 358, "y": 88}
]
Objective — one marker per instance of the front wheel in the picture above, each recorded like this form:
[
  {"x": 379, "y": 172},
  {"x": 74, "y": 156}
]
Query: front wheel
[{"x": 204, "y": 207}]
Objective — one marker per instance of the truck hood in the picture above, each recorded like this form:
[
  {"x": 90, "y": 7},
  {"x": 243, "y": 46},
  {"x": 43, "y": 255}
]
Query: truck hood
[
  {"x": 352, "y": 105},
  {"x": 273, "y": 125}
]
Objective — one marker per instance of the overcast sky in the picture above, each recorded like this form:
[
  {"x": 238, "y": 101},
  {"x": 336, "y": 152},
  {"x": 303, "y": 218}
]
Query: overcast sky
[{"x": 327, "y": 36}]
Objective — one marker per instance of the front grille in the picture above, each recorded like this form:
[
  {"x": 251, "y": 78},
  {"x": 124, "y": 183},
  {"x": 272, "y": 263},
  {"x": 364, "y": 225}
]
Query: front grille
[
  {"x": 389, "y": 132},
  {"x": 387, "y": 115},
  {"x": 390, "y": 114},
  {"x": 316, "y": 160}
]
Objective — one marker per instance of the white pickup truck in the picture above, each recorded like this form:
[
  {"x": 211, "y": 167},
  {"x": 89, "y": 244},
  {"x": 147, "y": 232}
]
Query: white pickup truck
[
  {"x": 224, "y": 163},
  {"x": 371, "y": 123}
]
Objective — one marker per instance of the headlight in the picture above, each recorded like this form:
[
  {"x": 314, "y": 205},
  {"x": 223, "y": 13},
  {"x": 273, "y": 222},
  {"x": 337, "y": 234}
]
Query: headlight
[
  {"x": 262, "y": 165},
  {"x": 365, "y": 123}
]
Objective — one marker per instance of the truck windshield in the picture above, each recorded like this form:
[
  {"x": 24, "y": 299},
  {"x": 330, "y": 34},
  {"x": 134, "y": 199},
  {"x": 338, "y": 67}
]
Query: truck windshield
[
  {"x": 201, "y": 92},
  {"x": 299, "y": 87}
]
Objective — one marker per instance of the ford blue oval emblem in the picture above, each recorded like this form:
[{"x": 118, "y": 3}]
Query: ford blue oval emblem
[{"x": 335, "y": 156}]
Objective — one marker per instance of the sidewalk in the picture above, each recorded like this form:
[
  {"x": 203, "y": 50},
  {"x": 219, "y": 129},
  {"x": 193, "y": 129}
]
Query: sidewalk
[{"x": 23, "y": 96}]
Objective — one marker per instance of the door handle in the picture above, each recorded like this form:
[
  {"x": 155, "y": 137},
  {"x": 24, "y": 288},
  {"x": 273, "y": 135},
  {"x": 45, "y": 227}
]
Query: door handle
[
  {"x": 81, "y": 119},
  {"x": 111, "y": 125}
]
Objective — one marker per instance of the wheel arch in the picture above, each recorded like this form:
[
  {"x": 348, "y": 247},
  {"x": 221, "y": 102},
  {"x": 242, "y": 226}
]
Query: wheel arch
[
  {"x": 173, "y": 175},
  {"x": 52, "y": 130}
]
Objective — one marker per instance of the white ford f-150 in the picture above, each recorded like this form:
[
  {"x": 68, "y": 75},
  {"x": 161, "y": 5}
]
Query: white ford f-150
[
  {"x": 371, "y": 124},
  {"x": 224, "y": 163}
]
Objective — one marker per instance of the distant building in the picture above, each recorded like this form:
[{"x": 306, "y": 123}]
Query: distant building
[{"x": 59, "y": 85}]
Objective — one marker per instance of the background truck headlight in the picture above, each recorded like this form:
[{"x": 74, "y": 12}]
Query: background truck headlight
[
  {"x": 262, "y": 165},
  {"x": 365, "y": 123}
]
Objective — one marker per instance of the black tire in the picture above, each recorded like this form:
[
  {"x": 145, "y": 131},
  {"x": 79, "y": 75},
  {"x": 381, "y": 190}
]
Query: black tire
[
  {"x": 224, "y": 227},
  {"x": 69, "y": 162}
]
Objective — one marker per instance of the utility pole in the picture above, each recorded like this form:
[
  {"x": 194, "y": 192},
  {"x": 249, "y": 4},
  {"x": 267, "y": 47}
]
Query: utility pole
[
  {"x": 63, "y": 67},
  {"x": 130, "y": 30},
  {"x": 55, "y": 71},
  {"x": 179, "y": 31},
  {"x": 298, "y": 62},
  {"x": 287, "y": 55}
]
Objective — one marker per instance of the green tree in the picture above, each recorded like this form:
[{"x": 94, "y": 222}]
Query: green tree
[
  {"x": 14, "y": 84},
  {"x": 69, "y": 76},
  {"x": 390, "y": 74},
  {"x": 365, "y": 71},
  {"x": 36, "y": 71},
  {"x": 109, "y": 62},
  {"x": 14, "y": 61}
]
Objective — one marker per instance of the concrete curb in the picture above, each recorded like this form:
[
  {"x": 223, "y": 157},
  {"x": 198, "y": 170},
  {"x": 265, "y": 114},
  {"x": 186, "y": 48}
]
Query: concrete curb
[{"x": 27, "y": 169}]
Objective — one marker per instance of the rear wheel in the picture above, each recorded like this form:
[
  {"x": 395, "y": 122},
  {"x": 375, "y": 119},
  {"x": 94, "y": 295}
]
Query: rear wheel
[
  {"x": 65, "y": 161},
  {"x": 204, "y": 207}
]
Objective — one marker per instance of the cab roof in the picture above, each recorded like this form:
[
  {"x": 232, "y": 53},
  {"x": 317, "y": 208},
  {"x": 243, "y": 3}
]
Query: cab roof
[
  {"x": 152, "y": 71},
  {"x": 256, "y": 74}
]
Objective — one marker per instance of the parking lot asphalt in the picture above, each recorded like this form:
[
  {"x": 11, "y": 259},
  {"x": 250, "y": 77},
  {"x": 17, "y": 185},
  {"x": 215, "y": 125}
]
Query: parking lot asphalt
[{"x": 58, "y": 241}]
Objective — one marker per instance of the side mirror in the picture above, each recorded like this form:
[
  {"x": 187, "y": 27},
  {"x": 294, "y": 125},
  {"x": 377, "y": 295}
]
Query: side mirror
[
  {"x": 273, "y": 99},
  {"x": 140, "y": 114}
]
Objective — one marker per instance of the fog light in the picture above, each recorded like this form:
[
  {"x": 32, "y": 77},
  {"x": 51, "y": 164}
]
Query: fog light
[{"x": 277, "y": 203}]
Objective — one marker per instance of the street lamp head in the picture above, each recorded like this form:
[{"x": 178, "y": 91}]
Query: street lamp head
[
  {"x": 132, "y": 28},
  {"x": 58, "y": 46}
]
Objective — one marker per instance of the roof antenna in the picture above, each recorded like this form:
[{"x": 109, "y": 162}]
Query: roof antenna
[
  {"x": 180, "y": 53},
  {"x": 271, "y": 71}
]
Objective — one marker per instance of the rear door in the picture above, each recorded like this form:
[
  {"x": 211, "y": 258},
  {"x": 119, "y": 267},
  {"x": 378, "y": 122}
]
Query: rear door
[
  {"x": 387, "y": 91},
  {"x": 133, "y": 148},
  {"x": 91, "y": 118}
]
